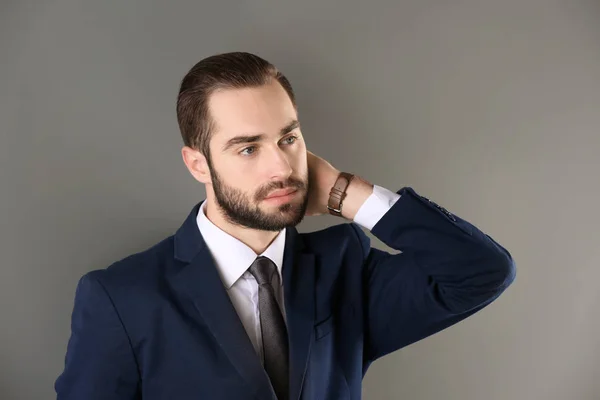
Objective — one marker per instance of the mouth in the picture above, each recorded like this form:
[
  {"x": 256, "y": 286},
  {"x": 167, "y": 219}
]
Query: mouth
[
  {"x": 281, "y": 193},
  {"x": 282, "y": 196}
]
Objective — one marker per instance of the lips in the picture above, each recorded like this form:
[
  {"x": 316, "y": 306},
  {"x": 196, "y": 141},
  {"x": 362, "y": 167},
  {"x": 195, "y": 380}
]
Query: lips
[{"x": 281, "y": 193}]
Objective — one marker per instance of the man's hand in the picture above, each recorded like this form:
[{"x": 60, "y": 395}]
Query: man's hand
[{"x": 322, "y": 176}]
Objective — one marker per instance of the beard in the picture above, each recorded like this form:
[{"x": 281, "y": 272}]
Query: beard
[{"x": 240, "y": 209}]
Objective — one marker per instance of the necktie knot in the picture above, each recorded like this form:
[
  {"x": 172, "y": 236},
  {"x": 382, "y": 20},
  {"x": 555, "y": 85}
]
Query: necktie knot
[{"x": 263, "y": 270}]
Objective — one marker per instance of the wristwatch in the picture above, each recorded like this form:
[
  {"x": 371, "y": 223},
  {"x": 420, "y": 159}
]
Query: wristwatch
[{"x": 338, "y": 193}]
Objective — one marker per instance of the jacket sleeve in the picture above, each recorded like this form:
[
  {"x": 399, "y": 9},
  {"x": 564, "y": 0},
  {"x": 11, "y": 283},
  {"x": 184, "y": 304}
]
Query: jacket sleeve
[
  {"x": 447, "y": 270},
  {"x": 99, "y": 363}
]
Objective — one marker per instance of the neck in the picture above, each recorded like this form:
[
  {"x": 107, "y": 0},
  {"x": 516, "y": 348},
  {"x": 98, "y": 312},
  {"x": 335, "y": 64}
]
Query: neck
[{"x": 256, "y": 239}]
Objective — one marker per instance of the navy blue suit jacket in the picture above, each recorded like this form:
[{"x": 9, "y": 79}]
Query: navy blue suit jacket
[{"x": 159, "y": 324}]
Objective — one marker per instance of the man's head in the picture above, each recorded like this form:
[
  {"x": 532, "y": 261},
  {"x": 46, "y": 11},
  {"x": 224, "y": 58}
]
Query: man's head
[{"x": 238, "y": 119}]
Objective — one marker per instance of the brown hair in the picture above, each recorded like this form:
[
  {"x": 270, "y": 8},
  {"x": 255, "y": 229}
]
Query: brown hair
[{"x": 234, "y": 70}]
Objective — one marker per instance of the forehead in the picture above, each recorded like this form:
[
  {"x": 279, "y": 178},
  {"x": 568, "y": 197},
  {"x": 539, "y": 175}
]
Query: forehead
[{"x": 263, "y": 109}]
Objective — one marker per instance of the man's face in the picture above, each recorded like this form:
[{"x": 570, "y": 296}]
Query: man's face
[{"x": 257, "y": 149}]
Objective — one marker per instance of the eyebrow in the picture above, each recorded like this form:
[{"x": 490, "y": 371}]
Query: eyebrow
[{"x": 257, "y": 138}]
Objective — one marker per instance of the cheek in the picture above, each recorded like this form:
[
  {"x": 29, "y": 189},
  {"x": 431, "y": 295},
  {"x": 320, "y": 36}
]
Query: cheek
[
  {"x": 247, "y": 182},
  {"x": 241, "y": 179},
  {"x": 302, "y": 170},
  {"x": 300, "y": 162}
]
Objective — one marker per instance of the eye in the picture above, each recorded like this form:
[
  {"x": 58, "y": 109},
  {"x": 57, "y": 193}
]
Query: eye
[
  {"x": 247, "y": 148},
  {"x": 290, "y": 137},
  {"x": 245, "y": 151}
]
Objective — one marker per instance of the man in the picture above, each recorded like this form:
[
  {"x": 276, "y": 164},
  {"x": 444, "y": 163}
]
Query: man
[{"x": 237, "y": 304}]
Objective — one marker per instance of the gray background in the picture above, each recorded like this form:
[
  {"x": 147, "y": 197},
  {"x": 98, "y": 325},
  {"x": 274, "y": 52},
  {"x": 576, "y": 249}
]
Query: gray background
[{"x": 492, "y": 109}]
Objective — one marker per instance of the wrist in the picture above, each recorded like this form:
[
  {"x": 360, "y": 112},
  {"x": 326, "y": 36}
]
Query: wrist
[{"x": 356, "y": 193}]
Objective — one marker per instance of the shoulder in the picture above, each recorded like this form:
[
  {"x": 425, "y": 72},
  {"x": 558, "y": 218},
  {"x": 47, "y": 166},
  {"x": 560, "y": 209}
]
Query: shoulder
[
  {"x": 135, "y": 270},
  {"x": 345, "y": 237}
]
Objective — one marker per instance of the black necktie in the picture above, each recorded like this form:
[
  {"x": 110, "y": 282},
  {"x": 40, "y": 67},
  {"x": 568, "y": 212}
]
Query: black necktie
[{"x": 274, "y": 332}]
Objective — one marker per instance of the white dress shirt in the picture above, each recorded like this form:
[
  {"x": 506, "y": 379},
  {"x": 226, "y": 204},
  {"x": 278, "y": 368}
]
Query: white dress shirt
[{"x": 233, "y": 258}]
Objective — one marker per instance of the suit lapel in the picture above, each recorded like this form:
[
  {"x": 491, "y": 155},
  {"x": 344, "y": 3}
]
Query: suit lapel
[
  {"x": 299, "y": 292},
  {"x": 199, "y": 281}
]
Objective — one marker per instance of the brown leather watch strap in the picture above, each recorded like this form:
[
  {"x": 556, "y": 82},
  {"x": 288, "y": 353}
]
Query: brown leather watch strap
[{"x": 338, "y": 193}]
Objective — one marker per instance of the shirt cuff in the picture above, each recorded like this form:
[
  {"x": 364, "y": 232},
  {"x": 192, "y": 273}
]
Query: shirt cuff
[{"x": 375, "y": 207}]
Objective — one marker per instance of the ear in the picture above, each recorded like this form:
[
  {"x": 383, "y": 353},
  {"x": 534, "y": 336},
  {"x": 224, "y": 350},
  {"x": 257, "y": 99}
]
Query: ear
[{"x": 196, "y": 163}]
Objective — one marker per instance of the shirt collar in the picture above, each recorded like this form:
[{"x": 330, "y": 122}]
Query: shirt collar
[{"x": 231, "y": 256}]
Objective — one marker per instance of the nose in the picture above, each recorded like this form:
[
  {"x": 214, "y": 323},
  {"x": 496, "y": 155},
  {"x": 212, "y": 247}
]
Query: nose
[{"x": 279, "y": 167}]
